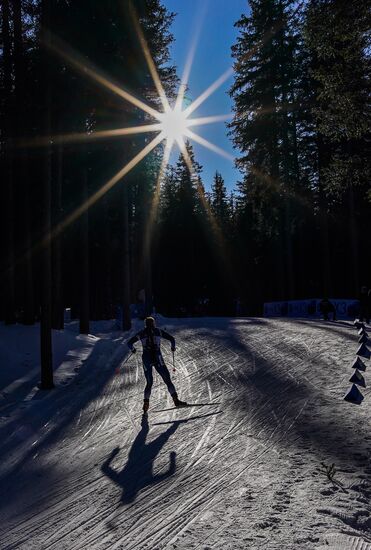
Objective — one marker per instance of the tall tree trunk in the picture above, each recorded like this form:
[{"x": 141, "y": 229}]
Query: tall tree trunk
[
  {"x": 24, "y": 182},
  {"x": 58, "y": 310},
  {"x": 146, "y": 259},
  {"x": 288, "y": 205},
  {"x": 275, "y": 175},
  {"x": 289, "y": 251},
  {"x": 287, "y": 180},
  {"x": 9, "y": 283},
  {"x": 323, "y": 221},
  {"x": 45, "y": 318},
  {"x": 126, "y": 317},
  {"x": 354, "y": 251},
  {"x": 85, "y": 257},
  {"x": 148, "y": 280},
  {"x": 107, "y": 277},
  {"x": 295, "y": 144}
]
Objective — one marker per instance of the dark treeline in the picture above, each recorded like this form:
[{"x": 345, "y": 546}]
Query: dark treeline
[
  {"x": 297, "y": 225},
  {"x": 92, "y": 258},
  {"x": 302, "y": 124}
]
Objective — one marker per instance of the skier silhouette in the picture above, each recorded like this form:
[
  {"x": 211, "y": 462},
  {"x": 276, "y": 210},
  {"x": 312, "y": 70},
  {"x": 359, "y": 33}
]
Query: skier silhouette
[
  {"x": 150, "y": 337},
  {"x": 138, "y": 471}
]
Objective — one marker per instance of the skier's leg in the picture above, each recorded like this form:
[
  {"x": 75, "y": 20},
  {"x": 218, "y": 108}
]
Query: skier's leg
[
  {"x": 165, "y": 374},
  {"x": 147, "y": 367}
]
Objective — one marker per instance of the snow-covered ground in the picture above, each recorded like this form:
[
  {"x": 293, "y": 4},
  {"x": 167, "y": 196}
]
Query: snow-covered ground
[{"x": 80, "y": 469}]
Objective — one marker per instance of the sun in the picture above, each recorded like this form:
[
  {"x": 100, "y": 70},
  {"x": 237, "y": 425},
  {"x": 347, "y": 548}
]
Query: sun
[{"x": 174, "y": 124}]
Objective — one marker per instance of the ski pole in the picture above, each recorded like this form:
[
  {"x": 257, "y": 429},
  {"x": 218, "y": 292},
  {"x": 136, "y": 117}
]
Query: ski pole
[{"x": 118, "y": 370}]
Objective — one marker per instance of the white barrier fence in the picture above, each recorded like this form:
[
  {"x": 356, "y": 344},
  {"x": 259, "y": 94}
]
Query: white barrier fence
[{"x": 345, "y": 309}]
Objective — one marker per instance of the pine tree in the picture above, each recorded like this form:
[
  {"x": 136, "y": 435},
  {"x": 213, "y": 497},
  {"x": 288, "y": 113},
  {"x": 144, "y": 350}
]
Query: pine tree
[
  {"x": 8, "y": 212},
  {"x": 181, "y": 240},
  {"x": 336, "y": 38},
  {"x": 264, "y": 130},
  {"x": 219, "y": 201},
  {"x": 46, "y": 273},
  {"x": 155, "y": 21},
  {"x": 336, "y": 34}
]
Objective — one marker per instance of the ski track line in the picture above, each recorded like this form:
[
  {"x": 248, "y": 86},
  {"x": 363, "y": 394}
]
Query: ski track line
[
  {"x": 152, "y": 489},
  {"x": 63, "y": 500},
  {"x": 111, "y": 517},
  {"x": 100, "y": 517},
  {"x": 51, "y": 515},
  {"x": 250, "y": 464},
  {"x": 204, "y": 439},
  {"x": 209, "y": 390},
  {"x": 66, "y": 407},
  {"x": 299, "y": 370},
  {"x": 129, "y": 417},
  {"x": 243, "y": 469},
  {"x": 80, "y": 446},
  {"x": 109, "y": 398},
  {"x": 145, "y": 496},
  {"x": 160, "y": 497},
  {"x": 212, "y": 534},
  {"x": 173, "y": 522},
  {"x": 213, "y": 491},
  {"x": 198, "y": 372},
  {"x": 258, "y": 411},
  {"x": 54, "y": 542}
]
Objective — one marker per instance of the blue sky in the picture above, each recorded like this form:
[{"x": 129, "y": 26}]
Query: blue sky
[{"x": 212, "y": 58}]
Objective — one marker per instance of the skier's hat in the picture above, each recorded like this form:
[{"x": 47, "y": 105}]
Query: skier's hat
[{"x": 149, "y": 322}]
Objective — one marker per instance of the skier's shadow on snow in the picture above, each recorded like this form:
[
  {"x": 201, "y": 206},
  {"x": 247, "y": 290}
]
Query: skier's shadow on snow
[{"x": 138, "y": 471}]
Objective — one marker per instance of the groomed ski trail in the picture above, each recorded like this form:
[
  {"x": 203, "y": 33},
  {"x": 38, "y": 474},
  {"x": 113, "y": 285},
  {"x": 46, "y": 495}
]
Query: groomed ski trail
[{"x": 247, "y": 469}]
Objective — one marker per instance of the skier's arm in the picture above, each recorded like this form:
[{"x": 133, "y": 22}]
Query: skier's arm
[
  {"x": 168, "y": 336},
  {"x": 131, "y": 342}
]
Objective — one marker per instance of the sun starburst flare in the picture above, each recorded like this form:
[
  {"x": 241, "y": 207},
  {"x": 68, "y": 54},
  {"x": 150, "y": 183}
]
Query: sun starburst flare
[
  {"x": 172, "y": 123},
  {"x": 170, "y": 126}
]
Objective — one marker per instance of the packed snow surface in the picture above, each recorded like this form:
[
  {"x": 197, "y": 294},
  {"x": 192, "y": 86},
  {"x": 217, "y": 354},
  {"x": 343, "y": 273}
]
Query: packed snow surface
[{"x": 246, "y": 469}]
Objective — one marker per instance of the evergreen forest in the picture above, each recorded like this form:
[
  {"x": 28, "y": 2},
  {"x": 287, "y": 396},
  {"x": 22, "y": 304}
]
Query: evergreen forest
[{"x": 297, "y": 224}]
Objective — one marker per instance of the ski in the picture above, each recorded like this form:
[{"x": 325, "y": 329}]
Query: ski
[{"x": 187, "y": 406}]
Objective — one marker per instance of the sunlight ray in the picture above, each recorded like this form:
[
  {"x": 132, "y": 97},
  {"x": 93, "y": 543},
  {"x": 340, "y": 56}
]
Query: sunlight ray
[
  {"x": 149, "y": 59},
  {"x": 210, "y": 90},
  {"x": 106, "y": 187},
  {"x": 189, "y": 61},
  {"x": 276, "y": 185},
  {"x": 188, "y": 66},
  {"x": 200, "y": 190},
  {"x": 209, "y": 119},
  {"x": 101, "y": 134},
  {"x": 266, "y": 178},
  {"x": 283, "y": 108},
  {"x": 183, "y": 150},
  {"x": 58, "y": 229},
  {"x": 208, "y": 145},
  {"x": 156, "y": 195},
  {"x": 216, "y": 229},
  {"x": 82, "y": 65}
]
